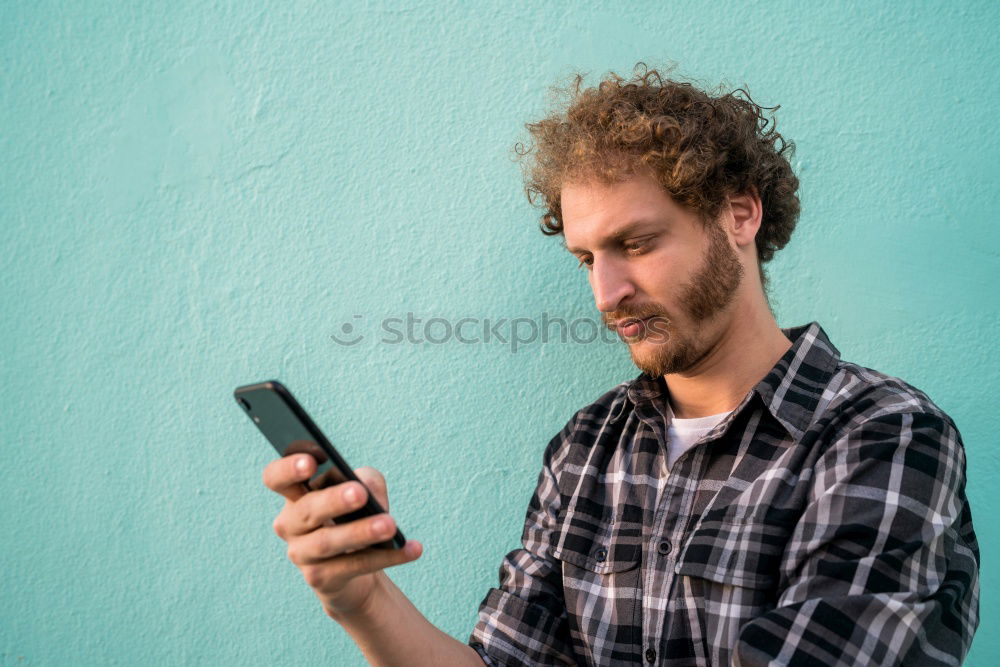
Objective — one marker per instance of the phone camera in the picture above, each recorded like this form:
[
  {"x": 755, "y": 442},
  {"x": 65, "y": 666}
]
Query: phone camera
[{"x": 245, "y": 403}]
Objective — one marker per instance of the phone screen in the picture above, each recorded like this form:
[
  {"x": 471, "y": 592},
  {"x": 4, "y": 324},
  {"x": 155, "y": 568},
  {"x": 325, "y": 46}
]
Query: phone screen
[{"x": 287, "y": 433}]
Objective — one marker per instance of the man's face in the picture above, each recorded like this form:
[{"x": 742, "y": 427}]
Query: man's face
[{"x": 648, "y": 259}]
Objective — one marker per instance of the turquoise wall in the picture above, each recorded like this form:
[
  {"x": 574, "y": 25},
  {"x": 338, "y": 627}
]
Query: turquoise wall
[{"x": 199, "y": 195}]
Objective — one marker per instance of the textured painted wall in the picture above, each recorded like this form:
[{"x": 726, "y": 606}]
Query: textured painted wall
[{"x": 198, "y": 195}]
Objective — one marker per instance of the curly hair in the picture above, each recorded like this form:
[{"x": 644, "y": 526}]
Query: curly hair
[{"x": 701, "y": 147}]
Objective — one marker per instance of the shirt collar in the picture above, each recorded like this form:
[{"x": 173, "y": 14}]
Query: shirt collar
[{"x": 791, "y": 389}]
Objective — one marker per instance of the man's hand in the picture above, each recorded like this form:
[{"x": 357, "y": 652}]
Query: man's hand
[{"x": 334, "y": 559}]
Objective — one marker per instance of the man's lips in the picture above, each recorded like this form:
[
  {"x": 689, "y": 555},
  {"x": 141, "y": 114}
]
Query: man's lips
[{"x": 632, "y": 327}]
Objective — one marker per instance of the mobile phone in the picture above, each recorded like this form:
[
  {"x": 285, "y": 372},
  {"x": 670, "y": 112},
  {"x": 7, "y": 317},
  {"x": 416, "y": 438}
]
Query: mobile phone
[{"x": 288, "y": 427}]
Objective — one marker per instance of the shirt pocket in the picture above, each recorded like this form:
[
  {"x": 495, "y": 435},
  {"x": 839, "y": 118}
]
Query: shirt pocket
[
  {"x": 602, "y": 587},
  {"x": 598, "y": 557},
  {"x": 739, "y": 552},
  {"x": 728, "y": 573}
]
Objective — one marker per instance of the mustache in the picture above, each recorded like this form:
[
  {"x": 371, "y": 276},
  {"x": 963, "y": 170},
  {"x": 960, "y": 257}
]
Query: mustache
[{"x": 637, "y": 312}]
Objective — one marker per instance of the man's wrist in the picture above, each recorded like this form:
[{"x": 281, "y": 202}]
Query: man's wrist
[
  {"x": 369, "y": 612},
  {"x": 391, "y": 631}
]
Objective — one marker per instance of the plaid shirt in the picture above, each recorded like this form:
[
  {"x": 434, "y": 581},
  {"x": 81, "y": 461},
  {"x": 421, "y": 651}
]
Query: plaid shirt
[{"x": 823, "y": 522}]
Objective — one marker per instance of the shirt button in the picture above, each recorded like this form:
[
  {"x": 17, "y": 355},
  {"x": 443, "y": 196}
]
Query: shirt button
[
  {"x": 600, "y": 555},
  {"x": 663, "y": 548},
  {"x": 650, "y": 655}
]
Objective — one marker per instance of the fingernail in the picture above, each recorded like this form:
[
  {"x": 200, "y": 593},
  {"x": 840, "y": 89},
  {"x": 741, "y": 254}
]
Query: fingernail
[
  {"x": 350, "y": 494},
  {"x": 302, "y": 465},
  {"x": 380, "y": 526}
]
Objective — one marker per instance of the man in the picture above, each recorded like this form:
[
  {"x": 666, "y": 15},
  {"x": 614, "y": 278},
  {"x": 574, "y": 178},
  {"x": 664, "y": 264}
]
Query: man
[{"x": 749, "y": 499}]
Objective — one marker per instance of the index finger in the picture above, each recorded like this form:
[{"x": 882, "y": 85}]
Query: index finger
[{"x": 287, "y": 474}]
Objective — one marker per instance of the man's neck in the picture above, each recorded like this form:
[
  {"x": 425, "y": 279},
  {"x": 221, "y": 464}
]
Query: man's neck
[{"x": 742, "y": 356}]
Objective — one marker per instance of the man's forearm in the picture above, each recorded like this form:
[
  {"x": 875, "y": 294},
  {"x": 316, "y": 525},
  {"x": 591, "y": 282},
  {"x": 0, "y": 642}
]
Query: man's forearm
[{"x": 393, "y": 632}]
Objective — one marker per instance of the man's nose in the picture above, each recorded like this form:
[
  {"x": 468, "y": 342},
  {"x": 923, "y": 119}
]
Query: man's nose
[{"x": 611, "y": 285}]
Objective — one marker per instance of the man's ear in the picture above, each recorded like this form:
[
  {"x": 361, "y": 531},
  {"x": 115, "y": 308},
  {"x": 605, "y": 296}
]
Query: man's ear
[{"x": 747, "y": 212}]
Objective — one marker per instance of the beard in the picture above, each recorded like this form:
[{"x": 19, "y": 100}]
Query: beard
[{"x": 660, "y": 347}]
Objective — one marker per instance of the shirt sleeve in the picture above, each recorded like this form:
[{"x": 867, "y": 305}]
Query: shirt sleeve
[
  {"x": 524, "y": 620},
  {"x": 884, "y": 564}
]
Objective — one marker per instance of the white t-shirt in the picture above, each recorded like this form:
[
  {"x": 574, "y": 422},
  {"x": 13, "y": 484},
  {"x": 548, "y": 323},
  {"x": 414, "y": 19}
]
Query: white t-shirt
[{"x": 683, "y": 433}]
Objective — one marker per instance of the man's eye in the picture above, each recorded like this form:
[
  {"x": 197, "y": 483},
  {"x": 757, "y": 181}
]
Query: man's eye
[
  {"x": 586, "y": 261},
  {"x": 637, "y": 247}
]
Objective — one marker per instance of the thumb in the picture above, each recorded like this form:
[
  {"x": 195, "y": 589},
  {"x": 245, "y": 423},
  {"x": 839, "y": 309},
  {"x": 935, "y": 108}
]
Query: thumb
[{"x": 375, "y": 482}]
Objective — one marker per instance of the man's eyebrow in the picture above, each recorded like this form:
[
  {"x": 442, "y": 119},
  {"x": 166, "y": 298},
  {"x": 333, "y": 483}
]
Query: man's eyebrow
[{"x": 617, "y": 236}]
